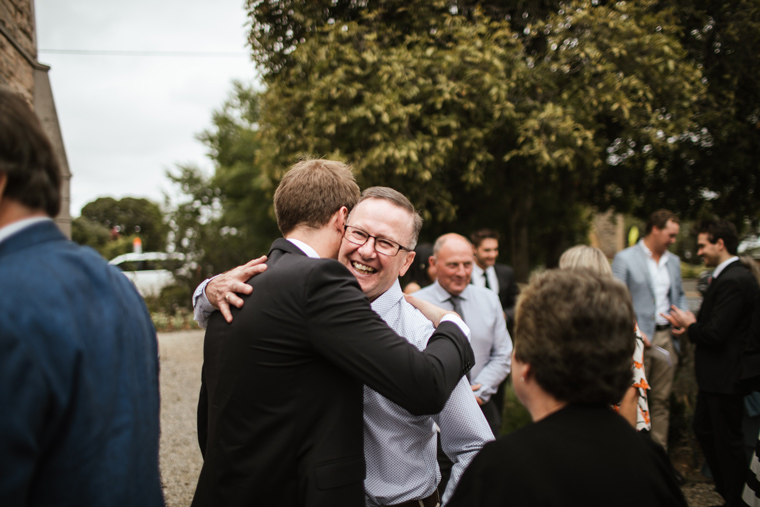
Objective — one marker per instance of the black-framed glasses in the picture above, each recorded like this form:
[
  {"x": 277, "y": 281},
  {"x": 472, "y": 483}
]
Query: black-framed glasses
[{"x": 382, "y": 246}]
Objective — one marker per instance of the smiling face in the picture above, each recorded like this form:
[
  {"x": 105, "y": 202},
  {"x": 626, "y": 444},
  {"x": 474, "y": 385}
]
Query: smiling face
[
  {"x": 453, "y": 264},
  {"x": 487, "y": 252},
  {"x": 375, "y": 272},
  {"x": 710, "y": 252}
]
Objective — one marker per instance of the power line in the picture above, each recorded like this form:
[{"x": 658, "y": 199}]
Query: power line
[{"x": 182, "y": 54}]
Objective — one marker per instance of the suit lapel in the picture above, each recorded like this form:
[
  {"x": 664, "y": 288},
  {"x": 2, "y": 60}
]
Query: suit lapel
[{"x": 641, "y": 257}]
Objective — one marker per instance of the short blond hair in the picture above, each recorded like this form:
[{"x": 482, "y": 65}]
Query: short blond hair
[
  {"x": 585, "y": 257},
  {"x": 311, "y": 192}
]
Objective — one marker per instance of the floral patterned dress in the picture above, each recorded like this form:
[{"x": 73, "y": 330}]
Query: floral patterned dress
[{"x": 640, "y": 383}]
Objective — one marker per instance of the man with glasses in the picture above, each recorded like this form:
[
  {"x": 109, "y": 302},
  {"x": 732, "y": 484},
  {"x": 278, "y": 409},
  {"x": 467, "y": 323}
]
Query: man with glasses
[
  {"x": 400, "y": 448},
  {"x": 280, "y": 415}
]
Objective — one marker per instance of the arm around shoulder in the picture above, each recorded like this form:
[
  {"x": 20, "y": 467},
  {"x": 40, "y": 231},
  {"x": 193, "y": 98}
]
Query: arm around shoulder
[{"x": 345, "y": 330}]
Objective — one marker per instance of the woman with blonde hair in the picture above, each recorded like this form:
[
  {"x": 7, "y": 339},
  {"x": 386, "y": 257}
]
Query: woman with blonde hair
[{"x": 634, "y": 406}]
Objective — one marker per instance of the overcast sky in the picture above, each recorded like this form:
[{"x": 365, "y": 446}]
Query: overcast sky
[{"x": 127, "y": 119}]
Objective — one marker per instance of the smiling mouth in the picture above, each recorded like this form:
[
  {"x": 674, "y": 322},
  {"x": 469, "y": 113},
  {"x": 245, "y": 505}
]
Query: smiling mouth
[{"x": 363, "y": 268}]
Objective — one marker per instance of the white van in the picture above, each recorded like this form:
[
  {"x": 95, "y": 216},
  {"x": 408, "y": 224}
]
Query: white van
[{"x": 149, "y": 271}]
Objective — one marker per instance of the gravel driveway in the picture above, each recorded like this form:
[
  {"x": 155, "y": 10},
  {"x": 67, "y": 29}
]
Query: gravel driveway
[{"x": 181, "y": 361}]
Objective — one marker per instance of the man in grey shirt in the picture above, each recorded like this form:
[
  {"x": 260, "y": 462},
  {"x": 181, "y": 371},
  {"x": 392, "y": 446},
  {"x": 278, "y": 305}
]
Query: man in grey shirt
[
  {"x": 481, "y": 310},
  {"x": 400, "y": 449}
]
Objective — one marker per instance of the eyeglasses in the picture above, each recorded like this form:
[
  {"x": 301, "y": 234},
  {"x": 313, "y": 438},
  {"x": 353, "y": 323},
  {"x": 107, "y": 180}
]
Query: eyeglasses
[{"x": 382, "y": 246}]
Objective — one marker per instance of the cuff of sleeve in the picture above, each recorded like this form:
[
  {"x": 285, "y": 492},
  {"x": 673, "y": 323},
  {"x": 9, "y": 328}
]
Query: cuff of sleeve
[
  {"x": 455, "y": 319},
  {"x": 201, "y": 306}
]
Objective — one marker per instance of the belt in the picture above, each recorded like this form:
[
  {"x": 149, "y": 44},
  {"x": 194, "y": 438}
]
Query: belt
[
  {"x": 431, "y": 501},
  {"x": 661, "y": 327}
]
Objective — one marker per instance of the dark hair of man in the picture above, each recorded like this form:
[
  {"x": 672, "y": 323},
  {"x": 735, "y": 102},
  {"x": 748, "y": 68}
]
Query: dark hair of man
[
  {"x": 720, "y": 229},
  {"x": 477, "y": 237},
  {"x": 311, "y": 192},
  {"x": 659, "y": 219},
  {"x": 580, "y": 351},
  {"x": 398, "y": 199},
  {"x": 27, "y": 157}
]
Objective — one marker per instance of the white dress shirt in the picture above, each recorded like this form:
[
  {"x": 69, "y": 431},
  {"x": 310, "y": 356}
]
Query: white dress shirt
[
  {"x": 490, "y": 339},
  {"x": 658, "y": 273},
  {"x": 400, "y": 448},
  {"x": 12, "y": 228},
  {"x": 479, "y": 279},
  {"x": 720, "y": 267}
]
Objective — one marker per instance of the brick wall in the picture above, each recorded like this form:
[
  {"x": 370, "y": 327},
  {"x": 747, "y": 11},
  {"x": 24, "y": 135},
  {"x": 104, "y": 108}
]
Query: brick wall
[{"x": 16, "y": 38}]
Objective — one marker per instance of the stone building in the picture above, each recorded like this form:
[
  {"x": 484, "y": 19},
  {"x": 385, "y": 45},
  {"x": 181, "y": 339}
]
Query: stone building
[{"x": 20, "y": 70}]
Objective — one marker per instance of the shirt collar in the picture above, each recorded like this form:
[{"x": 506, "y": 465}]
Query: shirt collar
[
  {"x": 477, "y": 270},
  {"x": 309, "y": 251},
  {"x": 444, "y": 295},
  {"x": 663, "y": 257},
  {"x": 388, "y": 299},
  {"x": 11, "y": 229},
  {"x": 719, "y": 269}
]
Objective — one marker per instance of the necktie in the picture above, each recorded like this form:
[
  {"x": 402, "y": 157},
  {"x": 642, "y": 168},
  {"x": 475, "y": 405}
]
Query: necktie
[
  {"x": 456, "y": 305},
  {"x": 485, "y": 275}
]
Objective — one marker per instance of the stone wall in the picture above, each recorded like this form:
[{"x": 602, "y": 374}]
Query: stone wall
[
  {"x": 20, "y": 70},
  {"x": 17, "y": 46}
]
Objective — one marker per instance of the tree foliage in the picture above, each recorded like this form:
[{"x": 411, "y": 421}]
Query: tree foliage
[
  {"x": 480, "y": 124},
  {"x": 134, "y": 217},
  {"x": 225, "y": 219}
]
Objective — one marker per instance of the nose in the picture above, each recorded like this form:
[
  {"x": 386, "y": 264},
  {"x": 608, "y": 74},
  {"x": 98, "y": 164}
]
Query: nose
[{"x": 367, "y": 250}]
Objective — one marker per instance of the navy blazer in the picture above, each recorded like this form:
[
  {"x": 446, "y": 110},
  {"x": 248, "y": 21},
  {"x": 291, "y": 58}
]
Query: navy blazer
[
  {"x": 78, "y": 378},
  {"x": 281, "y": 412},
  {"x": 722, "y": 330}
]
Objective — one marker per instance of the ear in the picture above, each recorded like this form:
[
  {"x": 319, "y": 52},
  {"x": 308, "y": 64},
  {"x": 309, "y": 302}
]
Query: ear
[
  {"x": 407, "y": 262},
  {"x": 720, "y": 244},
  {"x": 3, "y": 183},
  {"x": 339, "y": 218},
  {"x": 432, "y": 261}
]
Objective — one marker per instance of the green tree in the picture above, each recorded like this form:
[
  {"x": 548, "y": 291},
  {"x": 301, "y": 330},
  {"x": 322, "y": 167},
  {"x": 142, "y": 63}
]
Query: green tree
[
  {"x": 226, "y": 219},
  {"x": 89, "y": 233},
  {"x": 133, "y": 217},
  {"x": 481, "y": 125}
]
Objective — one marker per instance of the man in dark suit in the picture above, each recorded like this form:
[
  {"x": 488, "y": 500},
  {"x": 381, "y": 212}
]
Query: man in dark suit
[
  {"x": 79, "y": 423},
  {"x": 280, "y": 417},
  {"x": 720, "y": 334},
  {"x": 500, "y": 278}
]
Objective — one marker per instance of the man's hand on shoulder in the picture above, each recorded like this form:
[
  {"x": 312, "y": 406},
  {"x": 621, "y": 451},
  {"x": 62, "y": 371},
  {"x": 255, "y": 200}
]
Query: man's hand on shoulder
[
  {"x": 223, "y": 290},
  {"x": 431, "y": 312}
]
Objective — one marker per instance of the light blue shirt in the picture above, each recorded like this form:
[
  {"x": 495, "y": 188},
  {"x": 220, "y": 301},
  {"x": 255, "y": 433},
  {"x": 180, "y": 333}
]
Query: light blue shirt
[
  {"x": 400, "y": 449},
  {"x": 490, "y": 339}
]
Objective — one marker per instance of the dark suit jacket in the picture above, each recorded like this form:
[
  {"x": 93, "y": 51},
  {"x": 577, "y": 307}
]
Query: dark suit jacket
[
  {"x": 579, "y": 455},
  {"x": 722, "y": 329},
  {"x": 285, "y": 382},
  {"x": 79, "y": 423},
  {"x": 507, "y": 290}
]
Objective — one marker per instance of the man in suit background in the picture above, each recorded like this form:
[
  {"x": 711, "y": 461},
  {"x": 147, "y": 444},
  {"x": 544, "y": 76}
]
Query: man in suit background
[
  {"x": 500, "y": 278},
  {"x": 282, "y": 393},
  {"x": 653, "y": 276},
  {"x": 79, "y": 423},
  {"x": 720, "y": 334}
]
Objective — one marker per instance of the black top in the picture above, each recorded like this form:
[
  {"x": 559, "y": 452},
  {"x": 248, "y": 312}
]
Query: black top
[{"x": 579, "y": 455}]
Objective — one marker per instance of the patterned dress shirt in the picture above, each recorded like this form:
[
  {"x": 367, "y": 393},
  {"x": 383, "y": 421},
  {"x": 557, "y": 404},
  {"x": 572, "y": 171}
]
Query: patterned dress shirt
[{"x": 400, "y": 449}]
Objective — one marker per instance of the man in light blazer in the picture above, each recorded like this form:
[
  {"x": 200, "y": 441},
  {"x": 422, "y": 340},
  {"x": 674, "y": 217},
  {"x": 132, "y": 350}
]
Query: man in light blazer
[{"x": 653, "y": 275}]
